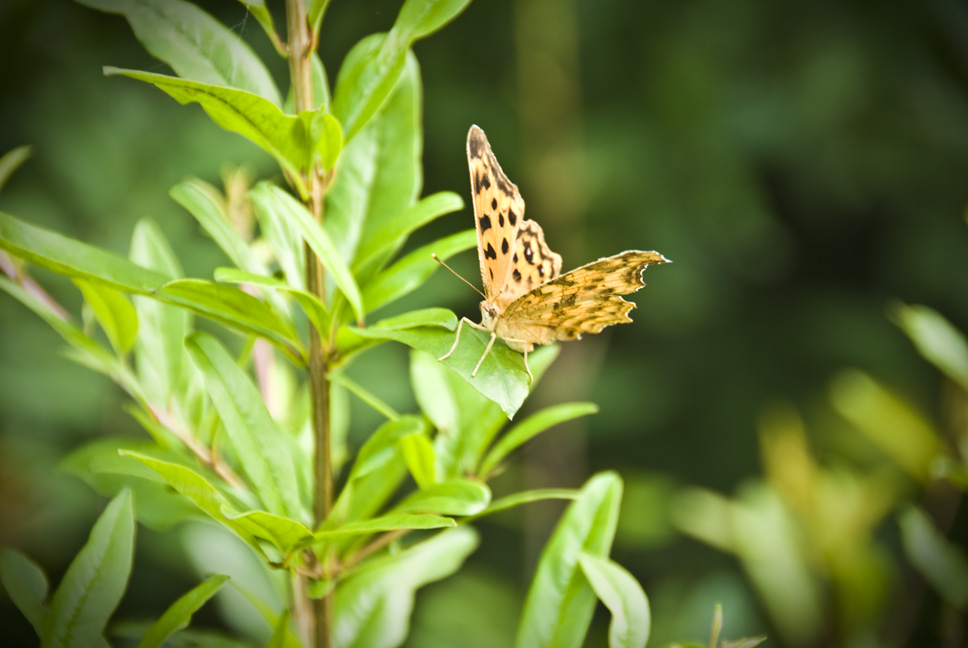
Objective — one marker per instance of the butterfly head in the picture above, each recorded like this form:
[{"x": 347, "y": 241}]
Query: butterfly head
[{"x": 489, "y": 314}]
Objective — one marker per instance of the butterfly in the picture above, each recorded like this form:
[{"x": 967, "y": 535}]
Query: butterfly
[{"x": 527, "y": 301}]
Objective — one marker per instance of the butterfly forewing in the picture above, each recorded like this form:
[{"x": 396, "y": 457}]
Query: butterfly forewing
[
  {"x": 532, "y": 262},
  {"x": 498, "y": 212},
  {"x": 584, "y": 300}
]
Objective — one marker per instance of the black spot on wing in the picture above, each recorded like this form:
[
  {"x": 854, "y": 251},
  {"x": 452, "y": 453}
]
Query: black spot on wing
[
  {"x": 500, "y": 219},
  {"x": 528, "y": 253},
  {"x": 489, "y": 253},
  {"x": 515, "y": 257},
  {"x": 504, "y": 246},
  {"x": 493, "y": 203},
  {"x": 485, "y": 223},
  {"x": 516, "y": 275},
  {"x": 512, "y": 217}
]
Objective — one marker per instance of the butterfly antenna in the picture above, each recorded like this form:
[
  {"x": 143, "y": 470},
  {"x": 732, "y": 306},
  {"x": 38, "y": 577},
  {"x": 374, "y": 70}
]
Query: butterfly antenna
[{"x": 437, "y": 259}]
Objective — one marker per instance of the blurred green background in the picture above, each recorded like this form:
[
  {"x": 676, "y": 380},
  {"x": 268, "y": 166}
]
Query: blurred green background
[{"x": 804, "y": 165}]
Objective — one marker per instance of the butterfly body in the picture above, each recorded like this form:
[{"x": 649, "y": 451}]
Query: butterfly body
[{"x": 527, "y": 301}]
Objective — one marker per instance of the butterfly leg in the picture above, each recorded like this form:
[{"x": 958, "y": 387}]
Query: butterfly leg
[
  {"x": 486, "y": 351},
  {"x": 457, "y": 338},
  {"x": 530, "y": 377}
]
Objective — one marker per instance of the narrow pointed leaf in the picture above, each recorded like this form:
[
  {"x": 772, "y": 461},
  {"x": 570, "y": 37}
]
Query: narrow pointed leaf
[
  {"x": 11, "y": 161},
  {"x": 114, "y": 313},
  {"x": 179, "y": 615},
  {"x": 455, "y": 497},
  {"x": 193, "y": 43},
  {"x": 938, "y": 559},
  {"x": 390, "y": 522},
  {"x": 285, "y": 534},
  {"x": 419, "y": 455},
  {"x": 560, "y": 602},
  {"x": 94, "y": 582},
  {"x": 249, "y": 426},
  {"x": 530, "y": 428},
  {"x": 526, "y": 497},
  {"x": 271, "y": 197},
  {"x": 372, "y": 606},
  {"x": 314, "y": 309},
  {"x": 26, "y": 585},
  {"x": 624, "y": 598},
  {"x": 937, "y": 340}
]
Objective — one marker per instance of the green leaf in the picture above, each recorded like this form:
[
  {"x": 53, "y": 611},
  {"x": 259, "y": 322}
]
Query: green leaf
[
  {"x": 83, "y": 349},
  {"x": 193, "y": 43},
  {"x": 248, "y": 425},
  {"x": 376, "y": 473},
  {"x": 377, "y": 247},
  {"x": 280, "y": 632},
  {"x": 100, "y": 465},
  {"x": 197, "y": 490},
  {"x": 26, "y": 585},
  {"x": 314, "y": 13},
  {"x": 390, "y": 522},
  {"x": 270, "y": 197},
  {"x": 287, "y": 535},
  {"x": 329, "y": 140},
  {"x": 939, "y": 560},
  {"x": 525, "y": 497},
  {"x": 314, "y": 309},
  {"x": 503, "y": 381},
  {"x": 412, "y": 270},
  {"x": 262, "y": 14},
  {"x": 11, "y": 161},
  {"x": 530, "y": 428},
  {"x": 257, "y": 119},
  {"x": 560, "y": 603},
  {"x": 455, "y": 497},
  {"x": 363, "y": 394},
  {"x": 94, "y": 582},
  {"x": 372, "y": 605},
  {"x": 73, "y": 258},
  {"x": 114, "y": 313},
  {"x": 624, "y": 598},
  {"x": 379, "y": 174},
  {"x": 234, "y": 308},
  {"x": 419, "y": 455},
  {"x": 159, "y": 350},
  {"x": 286, "y": 243},
  {"x": 374, "y": 65},
  {"x": 936, "y": 339},
  {"x": 179, "y": 615}
]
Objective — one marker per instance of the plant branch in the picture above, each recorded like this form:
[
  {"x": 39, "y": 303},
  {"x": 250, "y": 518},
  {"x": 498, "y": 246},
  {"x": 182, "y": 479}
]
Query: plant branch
[{"x": 315, "y": 621}]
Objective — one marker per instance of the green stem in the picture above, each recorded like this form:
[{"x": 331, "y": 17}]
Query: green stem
[{"x": 314, "y": 625}]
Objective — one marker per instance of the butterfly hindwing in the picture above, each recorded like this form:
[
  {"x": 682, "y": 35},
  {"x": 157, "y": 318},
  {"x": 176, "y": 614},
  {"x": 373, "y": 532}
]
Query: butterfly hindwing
[
  {"x": 498, "y": 212},
  {"x": 584, "y": 300}
]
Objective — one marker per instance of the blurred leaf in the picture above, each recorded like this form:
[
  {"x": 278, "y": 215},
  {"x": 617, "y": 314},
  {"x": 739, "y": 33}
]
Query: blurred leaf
[
  {"x": 270, "y": 197},
  {"x": 94, "y": 582},
  {"x": 101, "y": 465},
  {"x": 280, "y": 631},
  {"x": 194, "y": 44},
  {"x": 160, "y": 356},
  {"x": 936, "y": 339},
  {"x": 373, "y": 67},
  {"x": 329, "y": 139},
  {"x": 73, "y": 258},
  {"x": 418, "y": 453},
  {"x": 84, "y": 350},
  {"x": 314, "y": 309},
  {"x": 379, "y": 176},
  {"x": 887, "y": 420},
  {"x": 257, "y": 119},
  {"x": 938, "y": 559},
  {"x": 390, "y": 522},
  {"x": 454, "y": 497},
  {"x": 373, "y": 604},
  {"x": 286, "y": 243},
  {"x": 411, "y": 271},
  {"x": 262, "y": 14},
  {"x": 197, "y": 490},
  {"x": 26, "y": 585},
  {"x": 560, "y": 602},
  {"x": 624, "y": 598},
  {"x": 114, "y": 313},
  {"x": 179, "y": 615},
  {"x": 234, "y": 308},
  {"x": 11, "y": 161},
  {"x": 525, "y": 497},
  {"x": 349, "y": 340},
  {"x": 249, "y": 426},
  {"x": 363, "y": 394},
  {"x": 530, "y": 428}
]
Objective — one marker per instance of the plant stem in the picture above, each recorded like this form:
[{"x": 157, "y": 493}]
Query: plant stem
[{"x": 315, "y": 626}]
